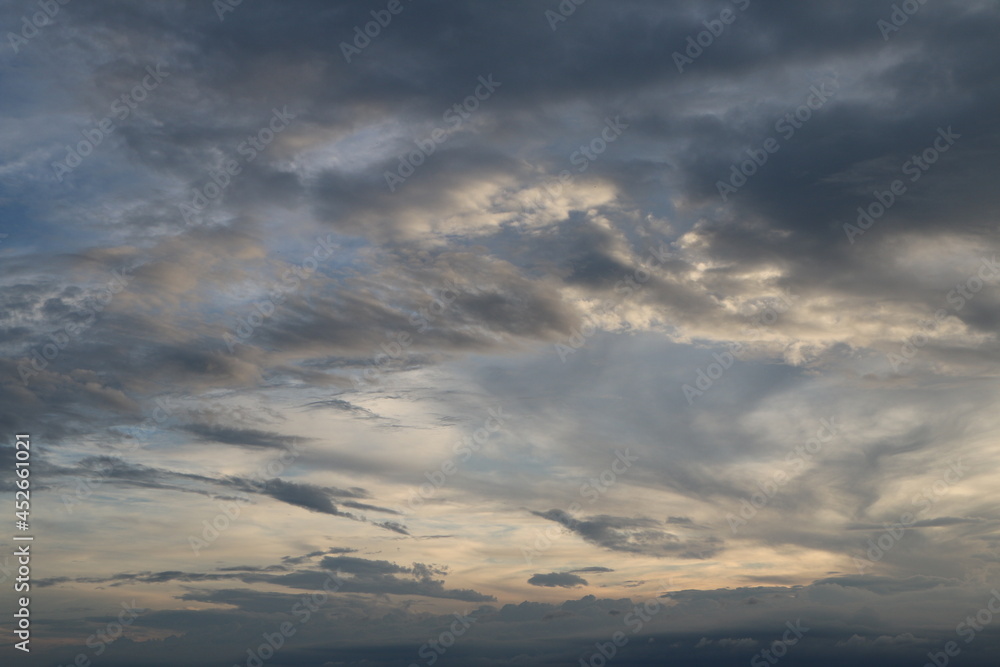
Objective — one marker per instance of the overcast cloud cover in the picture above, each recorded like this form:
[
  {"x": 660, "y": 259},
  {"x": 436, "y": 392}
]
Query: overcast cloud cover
[{"x": 501, "y": 329}]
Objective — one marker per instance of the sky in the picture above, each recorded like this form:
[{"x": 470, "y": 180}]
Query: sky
[{"x": 411, "y": 332}]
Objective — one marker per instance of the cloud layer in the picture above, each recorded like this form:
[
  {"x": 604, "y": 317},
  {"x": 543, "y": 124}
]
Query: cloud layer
[{"x": 684, "y": 310}]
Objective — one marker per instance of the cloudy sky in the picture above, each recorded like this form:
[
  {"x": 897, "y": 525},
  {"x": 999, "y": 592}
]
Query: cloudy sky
[{"x": 474, "y": 333}]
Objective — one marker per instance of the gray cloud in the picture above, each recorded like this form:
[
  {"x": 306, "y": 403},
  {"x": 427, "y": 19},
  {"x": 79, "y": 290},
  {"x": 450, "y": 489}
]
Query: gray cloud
[
  {"x": 554, "y": 579},
  {"x": 239, "y": 436},
  {"x": 633, "y": 535}
]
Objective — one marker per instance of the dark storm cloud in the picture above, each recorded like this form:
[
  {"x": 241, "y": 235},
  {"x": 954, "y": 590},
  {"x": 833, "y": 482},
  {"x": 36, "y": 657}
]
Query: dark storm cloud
[
  {"x": 813, "y": 255},
  {"x": 708, "y": 627}
]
